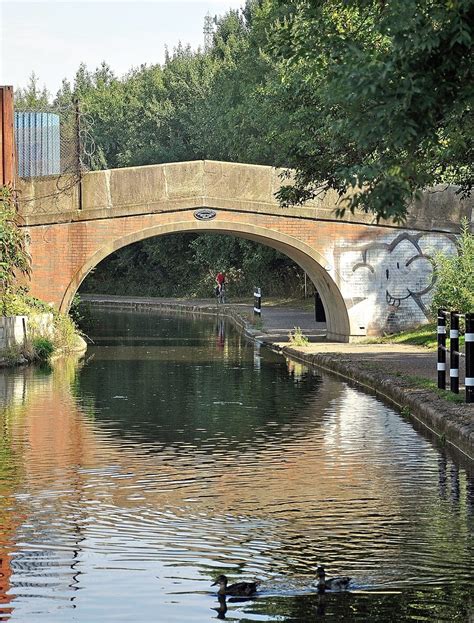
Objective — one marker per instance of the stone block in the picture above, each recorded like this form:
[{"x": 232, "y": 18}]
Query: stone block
[{"x": 13, "y": 331}]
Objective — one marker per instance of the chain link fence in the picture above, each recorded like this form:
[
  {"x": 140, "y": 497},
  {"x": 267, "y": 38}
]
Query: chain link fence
[{"x": 52, "y": 143}]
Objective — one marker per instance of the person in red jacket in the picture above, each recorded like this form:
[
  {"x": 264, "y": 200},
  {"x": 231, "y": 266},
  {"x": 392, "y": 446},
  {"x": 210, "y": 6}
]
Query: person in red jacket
[{"x": 220, "y": 288}]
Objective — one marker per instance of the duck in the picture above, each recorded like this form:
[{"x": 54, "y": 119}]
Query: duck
[
  {"x": 333, "y": 584},
  {"x": 240, "y": 589}
]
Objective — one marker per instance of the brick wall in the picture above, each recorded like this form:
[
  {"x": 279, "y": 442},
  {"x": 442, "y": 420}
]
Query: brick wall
[{"x": 383, "y": 277}]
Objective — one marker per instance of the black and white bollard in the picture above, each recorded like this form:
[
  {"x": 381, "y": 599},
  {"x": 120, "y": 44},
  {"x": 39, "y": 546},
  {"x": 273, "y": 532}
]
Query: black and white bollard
[
  {"x": 454, "y": 352},
  {"x": 257, "y": 301},
  {"x": 441, "y": 349},
  {"x": 469, "y": 337}
]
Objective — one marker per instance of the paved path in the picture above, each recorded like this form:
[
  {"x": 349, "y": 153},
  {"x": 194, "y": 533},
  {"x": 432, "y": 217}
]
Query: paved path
[
  {"x": 396, "y": 359},
  {"x": 277, "y": 322}
]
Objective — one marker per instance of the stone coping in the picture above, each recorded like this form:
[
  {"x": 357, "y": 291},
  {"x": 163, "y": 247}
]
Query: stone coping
[{"x": 212, "y": 184}]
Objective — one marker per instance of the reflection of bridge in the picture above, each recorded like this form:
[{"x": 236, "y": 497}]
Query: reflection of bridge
[{"x": 370, "y": 277}]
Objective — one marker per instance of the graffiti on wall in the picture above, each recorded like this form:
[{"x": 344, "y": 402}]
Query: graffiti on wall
[{"x": 392, "y": 278}]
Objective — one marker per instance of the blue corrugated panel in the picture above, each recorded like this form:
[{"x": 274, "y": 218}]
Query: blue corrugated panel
[{"x": 37, "y": 137}]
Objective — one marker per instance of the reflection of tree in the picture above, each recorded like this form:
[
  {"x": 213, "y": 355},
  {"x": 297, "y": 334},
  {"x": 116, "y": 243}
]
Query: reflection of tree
[
  {"x": 424, "y": 604},
  {"x": 181, "y": 381},
  {"x": 14, "y": 400}
]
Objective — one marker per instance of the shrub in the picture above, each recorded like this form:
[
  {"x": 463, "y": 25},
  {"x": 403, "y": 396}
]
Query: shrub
[
  {"x": 297, "y": 338},
  {"x": 43, "y": 348},
  {"x": 454, "y": 288},
  {"x": 14, "y": 258},
  {"x": 65, "y": 332},
  {"x": 80, "y": 312}
]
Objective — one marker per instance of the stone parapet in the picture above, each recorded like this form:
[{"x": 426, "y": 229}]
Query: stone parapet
[{"x": 217, "y": 185}]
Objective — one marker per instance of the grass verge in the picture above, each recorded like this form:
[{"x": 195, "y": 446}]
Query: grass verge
[
  {"x": 432, "y": 386},
  {"x": 423, "y": 335}
]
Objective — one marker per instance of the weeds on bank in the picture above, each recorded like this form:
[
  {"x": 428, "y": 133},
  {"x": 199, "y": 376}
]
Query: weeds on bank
[
  {"x": 424, "y": 335},
  {"x": 65, "y": 333},
  {"x": 432, "y": 386},
  {"x": 61, "y": 336},
  {"x": 297, "y": 338},
  {"x": 258, "y": 323},
  {"x": 43, "y": 348},
  {"x": 11, "y": 355}
]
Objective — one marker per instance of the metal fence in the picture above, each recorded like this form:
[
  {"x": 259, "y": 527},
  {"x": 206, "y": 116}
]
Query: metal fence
[
  {"x": 38, "y": 143},
  {"x": 52, "y": 142}
]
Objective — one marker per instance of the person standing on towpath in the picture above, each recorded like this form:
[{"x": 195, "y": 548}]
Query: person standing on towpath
[{"x": 220, "y": 288}]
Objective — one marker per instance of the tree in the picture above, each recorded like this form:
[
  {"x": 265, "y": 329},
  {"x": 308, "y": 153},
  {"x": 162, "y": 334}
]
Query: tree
[
  {"x": 14, "y": 258},
  {"x": 32, "y": 96},
  {"x": 454, "y": 288},
  {"x": 379, "y": 98}
]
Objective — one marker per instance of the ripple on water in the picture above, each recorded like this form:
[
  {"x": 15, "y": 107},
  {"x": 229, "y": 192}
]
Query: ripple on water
[{"x": 116, "y": 508}]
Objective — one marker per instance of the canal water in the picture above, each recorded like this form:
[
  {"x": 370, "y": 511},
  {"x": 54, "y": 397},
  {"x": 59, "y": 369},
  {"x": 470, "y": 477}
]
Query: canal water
[{"x": 178, "y": 451}]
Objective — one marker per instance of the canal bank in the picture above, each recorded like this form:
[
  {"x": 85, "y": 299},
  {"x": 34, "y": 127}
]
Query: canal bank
[{"x": 395, "y": 373}]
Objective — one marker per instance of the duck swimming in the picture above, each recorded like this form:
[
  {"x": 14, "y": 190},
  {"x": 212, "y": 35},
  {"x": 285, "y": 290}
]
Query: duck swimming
[
  {"x": 333, "y": 584},
  {"x": 240, "y": 589}
]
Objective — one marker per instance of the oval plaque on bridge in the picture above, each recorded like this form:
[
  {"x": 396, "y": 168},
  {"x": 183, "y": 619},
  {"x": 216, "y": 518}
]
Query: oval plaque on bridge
[{"x": 205, "y": 214}]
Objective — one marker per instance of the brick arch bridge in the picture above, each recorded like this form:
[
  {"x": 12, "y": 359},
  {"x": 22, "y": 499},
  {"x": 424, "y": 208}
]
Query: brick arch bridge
[{"x": 371, "y": 277}]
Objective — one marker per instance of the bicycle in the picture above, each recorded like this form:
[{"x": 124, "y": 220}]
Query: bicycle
[{"x": 221, "y": 294}]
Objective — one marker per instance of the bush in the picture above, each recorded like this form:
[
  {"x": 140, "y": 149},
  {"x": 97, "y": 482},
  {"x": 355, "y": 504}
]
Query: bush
[
  {"x": 454, "y": 288},
  {"x": 80, "y": 312},
  {"x": 43, "y": 348},
  {"x": 19, "y": 303},
  {"x": 14, "y": 258},
  {"x": 65, "y": 333},
  {"x": 297, "y": 338}
]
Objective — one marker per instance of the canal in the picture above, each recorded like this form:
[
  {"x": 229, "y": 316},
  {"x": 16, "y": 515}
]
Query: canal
[{"x": 178, "y": 450}]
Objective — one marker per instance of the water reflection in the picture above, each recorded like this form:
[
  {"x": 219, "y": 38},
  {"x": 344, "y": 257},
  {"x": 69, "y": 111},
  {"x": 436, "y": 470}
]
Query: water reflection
[{"x": 170, "y": 458}]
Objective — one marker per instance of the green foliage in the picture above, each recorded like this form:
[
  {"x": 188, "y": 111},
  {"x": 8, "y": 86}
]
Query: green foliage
[
  {"x": 66, "y": 333},
  {"x": 79, "y": 310},
  {"x": 32, "y": 96},
  {"x": 19, "y": 303},
  {"x": 454, "y": 288},
  {"x": 365, "y": 97},
  {"x": 446, "y": 394},
  {"x": 297, "y": 338},
  {"x": 14, "y": 258},
  {"x": 10, "y": 356},
  {"x": 149, "y": 268},
  {"x": 368, "y": 97},
  {"x": 43, "y": 348},
  {"x": 424, "y": 335},
  {"x": 379, "y": 98}
]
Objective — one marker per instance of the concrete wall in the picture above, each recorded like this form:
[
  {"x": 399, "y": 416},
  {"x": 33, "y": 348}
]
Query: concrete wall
[{"x": 15, "y": 330}]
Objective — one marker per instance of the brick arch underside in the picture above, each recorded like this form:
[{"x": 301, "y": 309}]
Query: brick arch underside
[{"x": 315, "y": 265}]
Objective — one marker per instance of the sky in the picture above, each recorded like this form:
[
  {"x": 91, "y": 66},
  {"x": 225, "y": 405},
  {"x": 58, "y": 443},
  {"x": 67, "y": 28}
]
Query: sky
[{"x": 51, "y": 38}]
